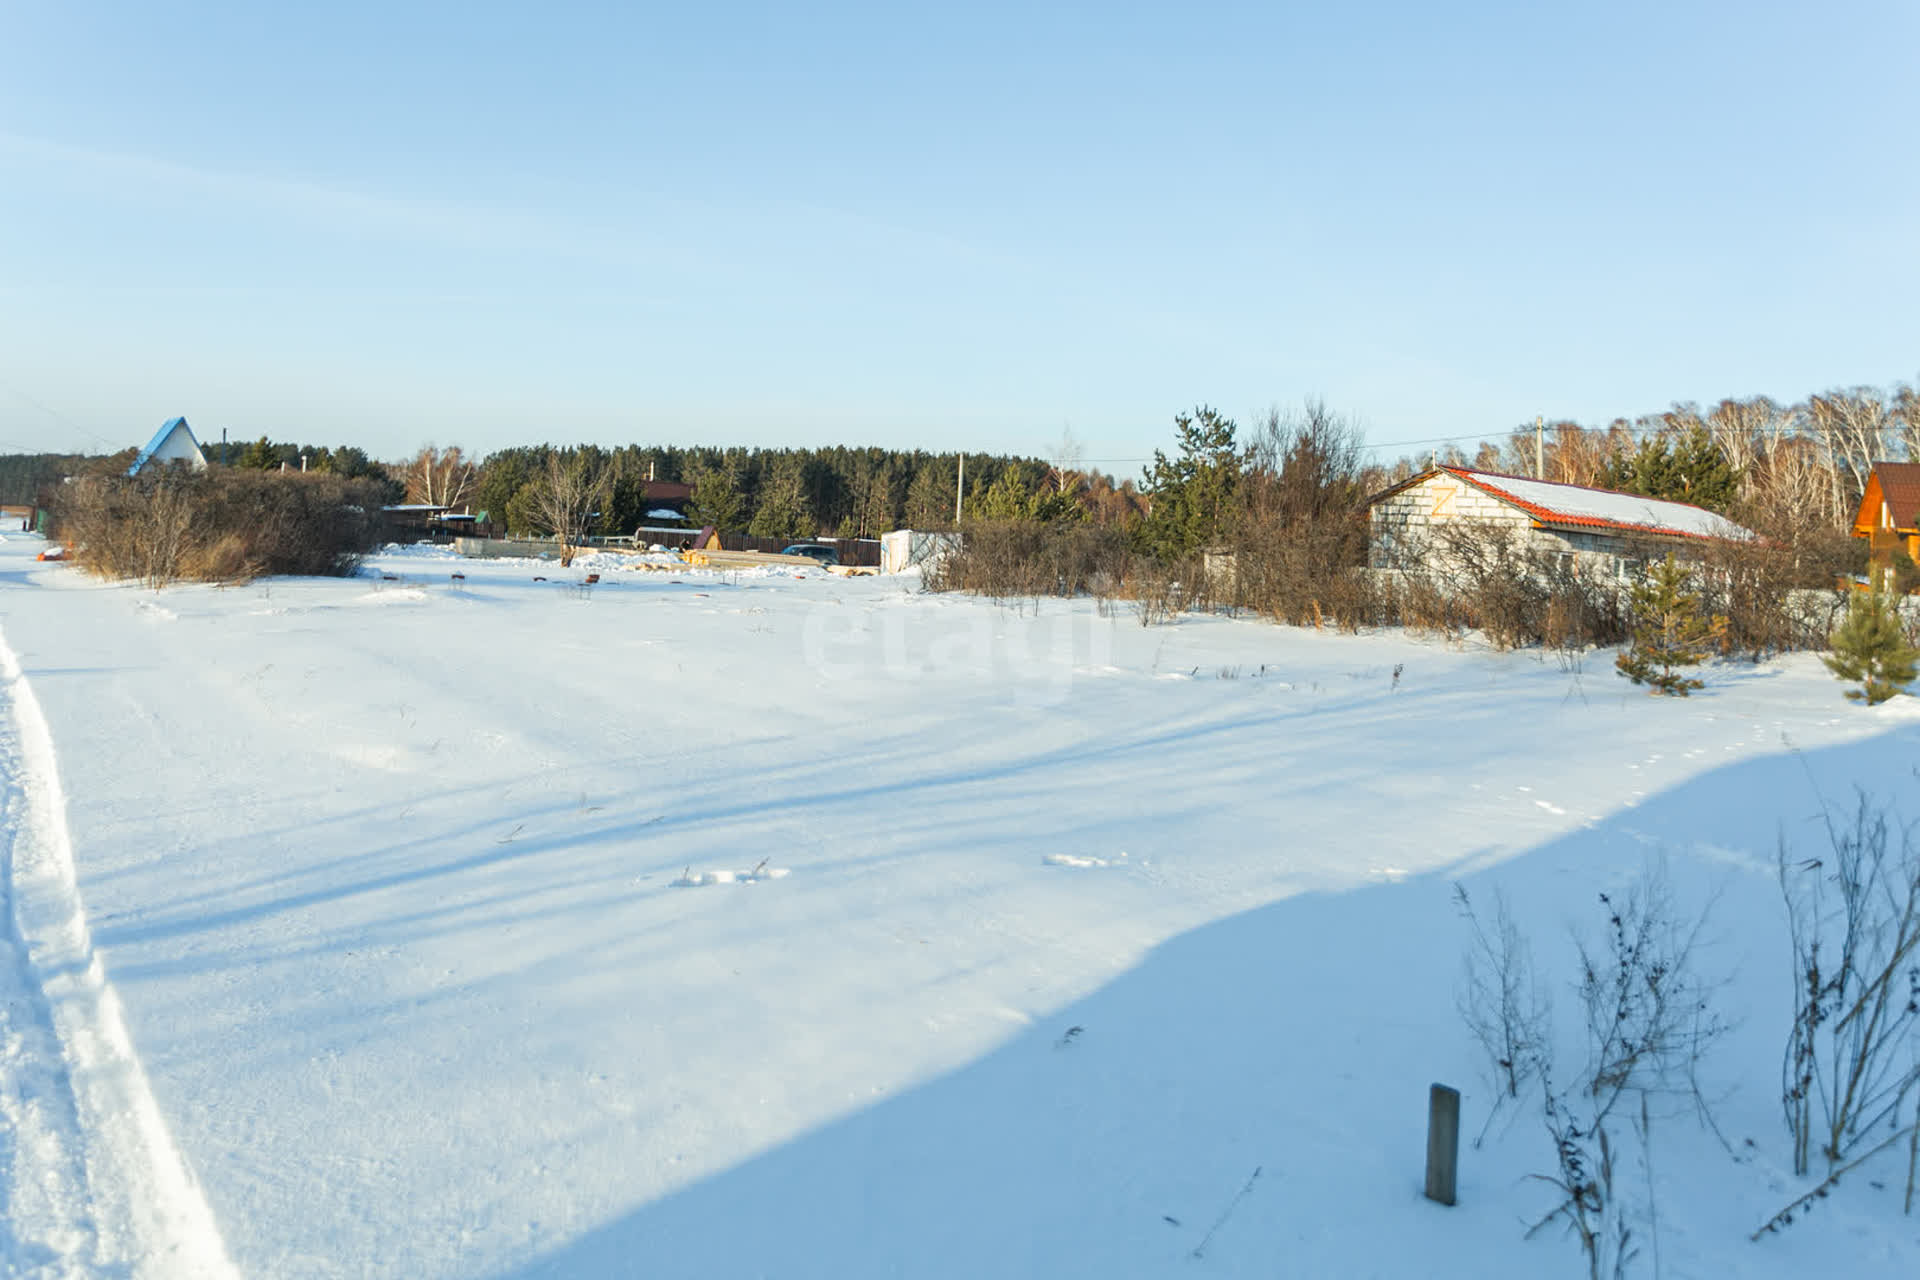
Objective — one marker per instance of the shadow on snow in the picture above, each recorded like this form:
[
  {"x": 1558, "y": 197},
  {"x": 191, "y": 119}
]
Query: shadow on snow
[{"x": 1120, "y": 1136}]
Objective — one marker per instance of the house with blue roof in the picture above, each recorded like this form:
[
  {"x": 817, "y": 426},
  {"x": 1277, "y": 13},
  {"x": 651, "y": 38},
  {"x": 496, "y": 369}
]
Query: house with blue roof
[{"x": 174, "y": 442}]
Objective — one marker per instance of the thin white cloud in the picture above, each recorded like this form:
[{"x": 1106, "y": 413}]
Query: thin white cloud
[
  {"x": 650, "y": 232},
  {"x": 490, "y": 226}
]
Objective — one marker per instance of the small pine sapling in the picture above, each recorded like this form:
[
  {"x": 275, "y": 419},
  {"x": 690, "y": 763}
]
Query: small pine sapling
[
  {"x": 1870, "y": 650},
  {"x": 1669, "y": 632}
]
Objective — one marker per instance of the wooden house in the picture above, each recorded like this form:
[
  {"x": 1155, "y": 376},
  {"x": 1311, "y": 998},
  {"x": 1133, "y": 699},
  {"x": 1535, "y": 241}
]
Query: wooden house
[{"x": 1889, "y": 515}]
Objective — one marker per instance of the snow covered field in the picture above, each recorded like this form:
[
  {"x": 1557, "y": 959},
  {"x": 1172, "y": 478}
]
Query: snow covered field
[{"x": 758, "y": 925}]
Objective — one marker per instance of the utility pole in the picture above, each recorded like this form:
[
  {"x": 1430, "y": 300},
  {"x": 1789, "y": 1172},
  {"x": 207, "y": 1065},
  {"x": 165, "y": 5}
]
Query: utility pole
[
  {"x": 1539, "y": 447},
  {"x": 959, "y": 490},
  {"x": 223, "y": 446}
]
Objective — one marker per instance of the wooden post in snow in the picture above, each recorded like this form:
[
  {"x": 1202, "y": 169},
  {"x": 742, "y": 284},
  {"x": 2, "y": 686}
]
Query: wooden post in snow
[{"x": 1443, "y": 1142}]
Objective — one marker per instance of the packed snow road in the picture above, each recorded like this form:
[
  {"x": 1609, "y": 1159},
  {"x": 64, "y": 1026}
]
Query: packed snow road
[
  {"x": 93, "y": 1184},
  {"x": 703, "y": 925}
]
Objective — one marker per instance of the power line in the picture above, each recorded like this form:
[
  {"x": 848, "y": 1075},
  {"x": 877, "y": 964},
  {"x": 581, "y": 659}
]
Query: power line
[
  {"x": 58, "y": 417},
  {"x": 1632, "y": 428}
]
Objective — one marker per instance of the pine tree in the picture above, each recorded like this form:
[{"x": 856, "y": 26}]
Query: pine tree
[
  {"x": 716, "y": 496},
  {"x": 261, "y": 455},
  {"x": 782, "y": 511},
  {"x": 1669, "y": 632},
  {"x": 930, "y": 496},
  {"x": 1688, "y": 467},
  {"x": 1192, "y": 494},
  {"x": 1869, "y": 649}
]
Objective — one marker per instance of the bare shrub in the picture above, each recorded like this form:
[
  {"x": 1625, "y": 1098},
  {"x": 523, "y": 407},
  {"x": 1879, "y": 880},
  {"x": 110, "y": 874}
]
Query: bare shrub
[
  {"x": 133, "y": 527},
  {"x": 1850, "y": 1076},
  {"x": 224, "y": 559},
  {"x": 1303, "y": 531},
  {"x": 1355, "y": 598},
  {"x": 1423, "y": 604},
  {"x": 1515, "y": 594},
  {"x": 1582, "y": 608},
  {"x": 1500, "y": 999},
  {"x": 315, "y": 525},
  {"x": 217, "y": 526},
  {"x": 1161, "y": 592},
  {"x": 1761, "y": 587},
  {"x": 1647, "y": 1022},
  {"x": 1009, "y": 559},
  {"x": 1583, "y": 1175},
  {"x": 1649, "y": 1018}
]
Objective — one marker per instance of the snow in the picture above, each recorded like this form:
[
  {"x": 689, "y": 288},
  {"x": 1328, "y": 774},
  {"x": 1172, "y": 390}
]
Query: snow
[
  {"x": 97, "y": 1186},
  {"x": 664, "y": 513},
  {"x": 375, "y": 952},
  {"x": 1620, "y": 508}
]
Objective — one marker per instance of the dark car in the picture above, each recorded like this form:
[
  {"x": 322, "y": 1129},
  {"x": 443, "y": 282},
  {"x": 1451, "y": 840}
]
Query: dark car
[{"x": 813, "y": 551}]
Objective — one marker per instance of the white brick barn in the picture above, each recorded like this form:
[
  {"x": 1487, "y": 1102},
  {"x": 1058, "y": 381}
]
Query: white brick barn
[{"x": 1601, "y": 531}]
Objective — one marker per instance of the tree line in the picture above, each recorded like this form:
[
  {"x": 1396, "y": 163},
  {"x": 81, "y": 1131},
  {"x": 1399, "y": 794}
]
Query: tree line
[
  {"x": 1780, "y": 468},
  {"x": 1274, "y": 519},
  {"x": 838, "y": 491},
  {"x": 843, "y": 491}
]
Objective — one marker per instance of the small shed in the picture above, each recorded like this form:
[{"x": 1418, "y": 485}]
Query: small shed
[
  {"x": 1599, "y": 527},
  {"x": 904, "y": 549},
  {"x": 174, "y": 442}
]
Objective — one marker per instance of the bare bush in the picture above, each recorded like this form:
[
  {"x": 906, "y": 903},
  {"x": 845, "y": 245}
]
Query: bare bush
[
  {"x": 1303, "y": 533},
  {"x": 1422, "y": 603},
  {"x": 1500, "y": 999},
  {"x": 1761, "y": 586},
  {"x": 1850, "y": 1077},
  {"x": 1515, "y": 594},
  {"x": 217, "y": 526},
  {"x": 1161, "y": 592},
  {"x": 1649, "y": 1017},
  {"x": 1590, "y": 1204},
  {"x": 1011, "y": 559},
  {"x": 1647, "y": 1022}
]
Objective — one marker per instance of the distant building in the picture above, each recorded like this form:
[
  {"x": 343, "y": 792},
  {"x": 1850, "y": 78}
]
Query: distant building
[
  {"x": 666, "y": 506},
  {"x": 174, "y": 442},
  {"x": 905, "y": 549},
  {"x": 1889, "y": 515},
  {"x": 1597, "y": 528}
]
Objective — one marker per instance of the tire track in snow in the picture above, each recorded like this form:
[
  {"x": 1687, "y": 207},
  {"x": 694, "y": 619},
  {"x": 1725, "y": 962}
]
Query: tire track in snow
[{"x": 91, "y": 1184}]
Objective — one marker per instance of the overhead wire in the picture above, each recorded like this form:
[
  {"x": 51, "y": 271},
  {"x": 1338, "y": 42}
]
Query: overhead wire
[
  {"x": 57, "y": 416},
  {"x": 1634, "y": 428}
]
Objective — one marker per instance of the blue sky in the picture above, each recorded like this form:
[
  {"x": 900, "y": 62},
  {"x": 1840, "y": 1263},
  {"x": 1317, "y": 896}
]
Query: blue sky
[{"x": 975, "y": 226}]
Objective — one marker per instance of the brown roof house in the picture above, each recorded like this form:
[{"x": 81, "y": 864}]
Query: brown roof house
[
  {"x": 1889, "y": 515},
  {"x": 1597, "y": 529}
]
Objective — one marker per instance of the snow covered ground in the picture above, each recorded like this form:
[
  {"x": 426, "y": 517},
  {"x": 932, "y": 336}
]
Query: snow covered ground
[{"x": 709, "y": 925}]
